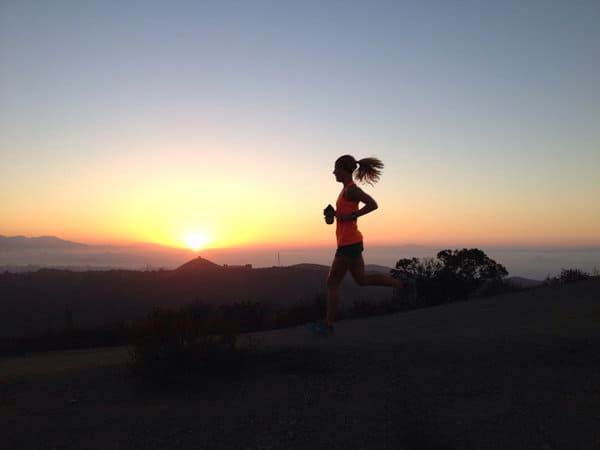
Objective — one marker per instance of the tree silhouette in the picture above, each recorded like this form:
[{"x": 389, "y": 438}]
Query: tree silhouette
[
  {"x": 471, "y": 264},
  {"x": 452, "y": 275}
]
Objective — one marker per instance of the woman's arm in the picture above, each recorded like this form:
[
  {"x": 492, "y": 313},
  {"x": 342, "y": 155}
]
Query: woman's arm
[{"x": 356, "y": 194}]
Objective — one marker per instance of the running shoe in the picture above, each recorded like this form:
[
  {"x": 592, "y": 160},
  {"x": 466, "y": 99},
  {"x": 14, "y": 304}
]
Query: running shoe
[{"x": 321, "y": 329}]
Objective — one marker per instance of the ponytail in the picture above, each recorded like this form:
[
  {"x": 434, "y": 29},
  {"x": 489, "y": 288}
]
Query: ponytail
[{"x": 369, "y": 170}]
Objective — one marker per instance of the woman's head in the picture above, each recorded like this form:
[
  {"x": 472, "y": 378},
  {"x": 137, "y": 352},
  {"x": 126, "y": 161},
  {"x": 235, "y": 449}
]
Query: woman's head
[{"x": 364, "y": 170}]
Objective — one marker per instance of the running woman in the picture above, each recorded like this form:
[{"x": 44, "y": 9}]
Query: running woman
[{"x": 348, "y": 257}]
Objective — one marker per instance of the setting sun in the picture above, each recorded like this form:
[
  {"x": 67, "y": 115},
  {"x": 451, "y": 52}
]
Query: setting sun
[{"x": 196, "y": 241}]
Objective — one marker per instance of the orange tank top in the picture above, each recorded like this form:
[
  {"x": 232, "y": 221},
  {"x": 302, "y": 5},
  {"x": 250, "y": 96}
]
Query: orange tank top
[{"x": 346, "y": 232}]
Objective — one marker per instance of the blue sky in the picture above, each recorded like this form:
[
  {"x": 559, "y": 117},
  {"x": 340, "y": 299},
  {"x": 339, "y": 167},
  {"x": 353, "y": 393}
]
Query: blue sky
[{"x": 486, "y": 115}]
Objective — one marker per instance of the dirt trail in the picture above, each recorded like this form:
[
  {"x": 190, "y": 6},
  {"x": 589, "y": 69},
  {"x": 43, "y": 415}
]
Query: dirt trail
[{"x": 514, "y": 372}]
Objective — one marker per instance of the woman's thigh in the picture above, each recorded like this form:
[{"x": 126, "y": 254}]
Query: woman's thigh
[
  {"x": 357, "y": 270},
  {"x": 338, "y": 269}
]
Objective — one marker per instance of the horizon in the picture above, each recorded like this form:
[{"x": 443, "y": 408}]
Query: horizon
[
  {"x": 527, "y": 262},
  {"x": 330, "y": 245},
  {"x": 218, "y": 125}
]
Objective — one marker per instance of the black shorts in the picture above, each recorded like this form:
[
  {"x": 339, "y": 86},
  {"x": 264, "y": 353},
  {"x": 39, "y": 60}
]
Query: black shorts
[{"x": 352, "y": 250}]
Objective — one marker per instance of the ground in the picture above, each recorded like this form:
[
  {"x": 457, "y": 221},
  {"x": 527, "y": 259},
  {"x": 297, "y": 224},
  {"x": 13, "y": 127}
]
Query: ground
[{"x": 511, "y": 372}]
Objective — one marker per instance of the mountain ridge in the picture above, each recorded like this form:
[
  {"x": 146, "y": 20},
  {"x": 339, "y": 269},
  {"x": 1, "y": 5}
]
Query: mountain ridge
[{"x": 39, "y": 242}]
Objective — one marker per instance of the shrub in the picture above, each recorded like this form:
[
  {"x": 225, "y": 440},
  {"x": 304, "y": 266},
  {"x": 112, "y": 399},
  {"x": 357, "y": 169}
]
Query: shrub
[
  {"x": 248, "y": 316},
  {"x": 301, "y": 313},
  {"x": 174, "y": 346},
  {"x": 569, "y": 276},
  {"x": 573, "y": 275}
]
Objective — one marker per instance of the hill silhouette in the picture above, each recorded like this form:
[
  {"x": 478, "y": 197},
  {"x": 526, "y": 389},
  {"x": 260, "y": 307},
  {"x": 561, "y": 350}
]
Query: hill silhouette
[
  {"x": 18, "y": 243},
  {"x": 198, "y": 264},
  {"x": 35, "y": 302}
]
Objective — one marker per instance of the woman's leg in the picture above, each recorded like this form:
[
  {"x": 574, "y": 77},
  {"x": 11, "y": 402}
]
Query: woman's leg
[
  {"x": 338, "y": 269},
  {"x": 357, "y": 269}
]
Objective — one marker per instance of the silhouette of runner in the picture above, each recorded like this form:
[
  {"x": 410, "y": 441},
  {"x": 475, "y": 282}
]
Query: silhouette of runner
[{"x": 348, "y": 257}]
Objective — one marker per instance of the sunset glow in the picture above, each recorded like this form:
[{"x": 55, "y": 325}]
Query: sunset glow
[{"x": 202, "y": 133}]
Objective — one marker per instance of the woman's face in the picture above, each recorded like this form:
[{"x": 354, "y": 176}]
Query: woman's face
[{"x": 340, "y": 173}]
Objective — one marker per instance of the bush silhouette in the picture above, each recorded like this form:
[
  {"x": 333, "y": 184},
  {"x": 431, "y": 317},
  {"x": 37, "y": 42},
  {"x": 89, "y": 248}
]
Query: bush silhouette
[
  {"x": 301, "y": 313},
  {"x": 173, "y": 346},
  {"x": 245, "y": 316},
  {"x": 569, "y": 276},
  {"x": 452, "y": 275}
]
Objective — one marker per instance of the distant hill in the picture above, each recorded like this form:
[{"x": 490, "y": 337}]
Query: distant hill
[
  {"x": 17, "y": 243},
  {"x": 198, "y": 264}
]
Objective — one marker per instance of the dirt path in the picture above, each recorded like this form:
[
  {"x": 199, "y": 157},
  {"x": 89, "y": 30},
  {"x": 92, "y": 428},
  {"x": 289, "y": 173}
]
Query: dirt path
[{"x": 520, "y": 372}]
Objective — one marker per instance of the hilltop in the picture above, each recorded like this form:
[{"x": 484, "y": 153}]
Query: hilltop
[{"x": 198, "y": 265}]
